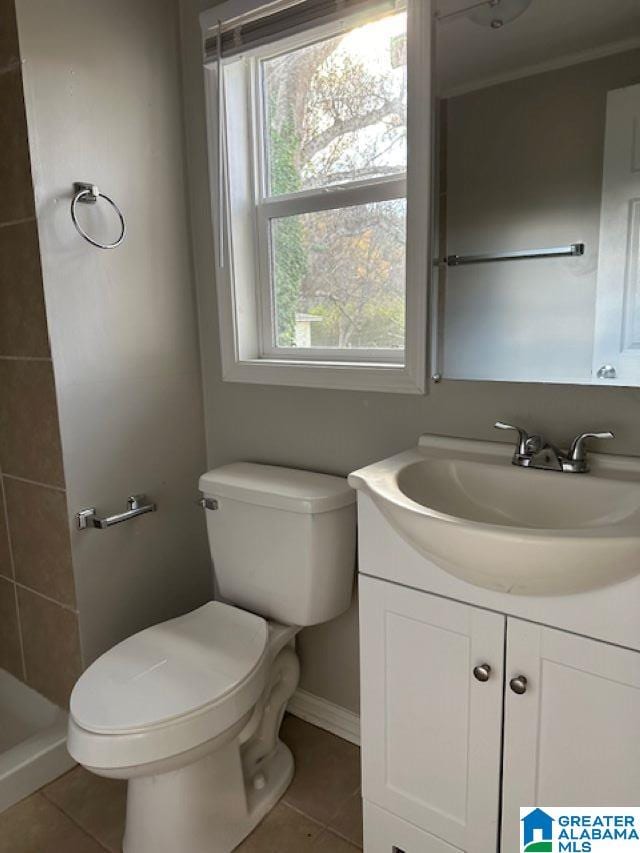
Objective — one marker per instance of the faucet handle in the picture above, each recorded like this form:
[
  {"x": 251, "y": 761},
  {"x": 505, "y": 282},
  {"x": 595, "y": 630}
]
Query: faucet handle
[
  {"x": 526, "y": 443},
  {"x": 578, "y": 450}
]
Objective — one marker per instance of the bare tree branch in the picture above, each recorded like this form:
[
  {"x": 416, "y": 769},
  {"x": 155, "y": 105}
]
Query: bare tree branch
[{"x": 349, "y": 125}]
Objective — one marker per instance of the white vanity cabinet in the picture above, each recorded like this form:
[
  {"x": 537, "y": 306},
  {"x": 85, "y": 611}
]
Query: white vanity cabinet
[{"x": 468, "y": 714}]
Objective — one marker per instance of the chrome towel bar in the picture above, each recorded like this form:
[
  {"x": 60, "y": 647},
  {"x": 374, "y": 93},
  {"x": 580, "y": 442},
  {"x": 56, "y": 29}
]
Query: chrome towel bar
[
  {"x": 85, "y": 193},
  {"x": 136, "y": 505},
  {"x": 572, "y": 251}
]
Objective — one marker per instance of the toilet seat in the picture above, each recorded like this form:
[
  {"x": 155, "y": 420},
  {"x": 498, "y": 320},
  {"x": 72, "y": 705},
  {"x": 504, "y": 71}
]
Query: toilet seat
[{"x": 169, "y": 688}]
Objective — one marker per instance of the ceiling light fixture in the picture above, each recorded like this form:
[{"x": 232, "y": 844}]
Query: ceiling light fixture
[{"x": 489, "y": 13}]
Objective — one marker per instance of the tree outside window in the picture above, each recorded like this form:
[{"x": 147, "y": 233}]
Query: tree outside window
[{"x": 336, "y": 114}]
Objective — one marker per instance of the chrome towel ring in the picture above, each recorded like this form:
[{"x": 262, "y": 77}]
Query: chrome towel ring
[{"x": 85, "y": 193}]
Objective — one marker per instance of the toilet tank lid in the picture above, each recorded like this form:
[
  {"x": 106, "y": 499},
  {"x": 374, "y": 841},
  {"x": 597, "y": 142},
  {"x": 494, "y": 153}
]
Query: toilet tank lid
[{"x": 282, "y": 488}]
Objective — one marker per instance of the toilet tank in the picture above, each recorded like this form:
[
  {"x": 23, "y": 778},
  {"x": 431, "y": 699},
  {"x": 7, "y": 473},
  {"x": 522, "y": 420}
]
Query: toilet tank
[{"x": 283, "y": 541}]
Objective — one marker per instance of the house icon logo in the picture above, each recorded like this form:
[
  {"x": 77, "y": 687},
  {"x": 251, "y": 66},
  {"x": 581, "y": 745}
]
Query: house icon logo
[{"x": 537, "y": 832}]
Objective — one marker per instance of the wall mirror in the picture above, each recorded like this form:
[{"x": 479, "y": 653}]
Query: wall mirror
[{"x": 537, "y": 274}]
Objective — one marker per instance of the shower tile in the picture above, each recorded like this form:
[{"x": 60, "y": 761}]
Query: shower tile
[
  {"x": 16, "y": 198},
  {"x": 5, "y": 557},
  {"x": 23, "y": 322},
  {"x": 10, "y": 658},
  {"x": 29, "y": 434},
  {"x": 9, "y": 50},
  {"x": 51, "y": 646},
  {"x": 40, "y": 539}
]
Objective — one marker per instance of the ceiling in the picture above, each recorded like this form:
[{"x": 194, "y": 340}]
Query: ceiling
[{"x": 549, "y": 32}]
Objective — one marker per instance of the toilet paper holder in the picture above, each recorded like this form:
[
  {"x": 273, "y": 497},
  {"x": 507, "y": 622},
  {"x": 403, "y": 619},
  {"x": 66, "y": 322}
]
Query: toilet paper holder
[{"x": 136, "y": 505}]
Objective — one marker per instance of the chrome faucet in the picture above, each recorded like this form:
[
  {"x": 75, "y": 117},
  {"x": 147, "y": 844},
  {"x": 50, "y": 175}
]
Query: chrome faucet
[{"x": 534, "y": 451}]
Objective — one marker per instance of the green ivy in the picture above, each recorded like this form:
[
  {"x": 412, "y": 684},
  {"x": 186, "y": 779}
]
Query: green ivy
[{"x": 287, "y": 235}]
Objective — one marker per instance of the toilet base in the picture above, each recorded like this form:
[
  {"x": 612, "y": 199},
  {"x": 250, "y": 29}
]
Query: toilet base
[
  {"x": 204, "y": 807},
  {"x": 278, "y": 771}
]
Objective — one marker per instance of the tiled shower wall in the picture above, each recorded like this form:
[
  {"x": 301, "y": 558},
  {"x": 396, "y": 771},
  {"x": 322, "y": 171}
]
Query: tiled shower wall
[{"x": 39, "y": 640}]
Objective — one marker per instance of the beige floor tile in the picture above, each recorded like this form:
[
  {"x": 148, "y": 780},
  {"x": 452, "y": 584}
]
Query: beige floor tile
[
  {"x": 330, "y": 843},
  {"x": 94, "y": 803},
  {"x": 36, "y": 826},
  {"x": 348, "y": 821},
  {"x": 284, "y": 830},
  {"x": 327, "y": 769}
]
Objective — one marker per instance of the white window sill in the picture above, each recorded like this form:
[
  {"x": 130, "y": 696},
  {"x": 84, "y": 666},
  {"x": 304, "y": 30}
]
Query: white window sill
[{"x": 345, "y": 376}]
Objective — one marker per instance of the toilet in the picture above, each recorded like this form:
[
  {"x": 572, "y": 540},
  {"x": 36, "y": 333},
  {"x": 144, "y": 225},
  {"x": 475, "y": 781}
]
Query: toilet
[{"x": 188, "y": 711}]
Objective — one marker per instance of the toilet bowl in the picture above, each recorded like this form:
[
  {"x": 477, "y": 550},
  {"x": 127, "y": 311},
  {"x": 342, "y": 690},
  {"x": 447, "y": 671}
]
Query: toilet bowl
[{"x": 189, "y": 710}]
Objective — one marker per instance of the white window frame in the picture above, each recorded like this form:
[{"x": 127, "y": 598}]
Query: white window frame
[{"x": 245, "y": 296}]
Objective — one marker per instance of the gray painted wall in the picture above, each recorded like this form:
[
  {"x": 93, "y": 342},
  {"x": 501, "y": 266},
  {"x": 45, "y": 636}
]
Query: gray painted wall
[
  {"x": 102, "y": 85},
  {"x": 524, "y": 170},
  {"x": 339, "y": 431}
]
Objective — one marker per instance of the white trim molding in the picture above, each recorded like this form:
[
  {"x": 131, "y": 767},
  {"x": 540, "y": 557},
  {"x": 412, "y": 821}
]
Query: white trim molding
[
  {"x": 555, "y": 64},
  {"x": 324, "y": 714}
]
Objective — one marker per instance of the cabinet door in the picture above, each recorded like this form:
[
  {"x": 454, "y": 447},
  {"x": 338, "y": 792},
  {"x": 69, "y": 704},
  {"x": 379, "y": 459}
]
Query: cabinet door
[
  {"x": 573, "y": 738},
  {"x": 430, "y": 730}
]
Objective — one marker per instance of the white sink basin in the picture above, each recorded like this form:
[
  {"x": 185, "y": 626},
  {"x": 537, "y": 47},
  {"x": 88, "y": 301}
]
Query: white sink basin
[{"x": 469, "y": 510}]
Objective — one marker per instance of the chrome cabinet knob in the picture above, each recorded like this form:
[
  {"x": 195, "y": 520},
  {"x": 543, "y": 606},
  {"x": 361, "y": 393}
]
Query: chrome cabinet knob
[
  {"x": 519, "y": 684},
  {"x": 482, "y": 672}
]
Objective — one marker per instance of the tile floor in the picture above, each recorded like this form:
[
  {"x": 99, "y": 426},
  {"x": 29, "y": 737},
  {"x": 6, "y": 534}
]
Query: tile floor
[{"x": 320, "y": 813}]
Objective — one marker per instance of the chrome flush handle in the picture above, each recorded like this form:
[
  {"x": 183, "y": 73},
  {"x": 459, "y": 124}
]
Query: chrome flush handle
[{"x": 208, "y": 503}]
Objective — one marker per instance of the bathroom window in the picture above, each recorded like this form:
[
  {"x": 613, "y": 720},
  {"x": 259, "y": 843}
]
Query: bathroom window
[{"x": 321, "y": 252}]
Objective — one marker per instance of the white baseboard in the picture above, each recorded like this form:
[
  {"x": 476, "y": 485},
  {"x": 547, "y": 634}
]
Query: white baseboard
[{"x": 324, "y": 714}]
